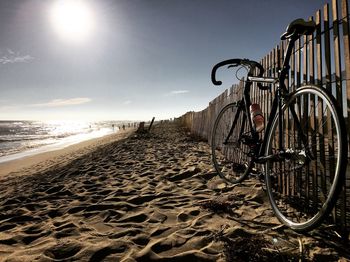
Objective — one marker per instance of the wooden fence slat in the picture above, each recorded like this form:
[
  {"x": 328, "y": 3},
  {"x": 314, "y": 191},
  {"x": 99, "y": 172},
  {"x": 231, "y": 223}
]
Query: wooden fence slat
[
  {"x": 327, "y": 47},
  {"x": 337, "y": 65},
  {"x": 266, "y": 98},
  {"x": 298, "y": 68},
  {"x": 318, "y": 48},
  {"x": 346, "y": 44},
  {"x": 346, "y": 41},
  {"x": 269, "y": 74},
  {"x": 328, "y": 85},
  {"x": 320, "y": 128},
  {"x": 305, "y": 117},
  {"x": 313, "y": 119},
  {"x": 337, "y": 62},
  {"x": 292, "y": 88}
]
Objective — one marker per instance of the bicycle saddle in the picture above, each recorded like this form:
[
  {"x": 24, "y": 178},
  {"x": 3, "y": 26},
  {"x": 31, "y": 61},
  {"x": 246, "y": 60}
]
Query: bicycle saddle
[{"x": 299, "y": 27}]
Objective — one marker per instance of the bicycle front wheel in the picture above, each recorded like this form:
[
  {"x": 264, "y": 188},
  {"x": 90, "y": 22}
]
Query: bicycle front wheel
[
  {"x": 229, "y": 147},
  {"x": 303, "y": 184}
]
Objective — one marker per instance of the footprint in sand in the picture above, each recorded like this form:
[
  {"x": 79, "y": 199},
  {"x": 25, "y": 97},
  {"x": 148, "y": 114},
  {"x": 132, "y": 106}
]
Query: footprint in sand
[
  {"x": 9, "y": 241},
  {"x": 69, "y": 229},
  {"x": 54, "y": 189},
  {"x": 159, "y": 231},
  {"x": 33, "y": 229},
  {"x": 22, "y": 219},
  {"x": 76, "y": 209},
  {"x": 139, "y": 200},
  {"x": 158, "y": 217},
  {"x": 63, "y": 251},
  {"x": 33, "y": 237},
  {"x": 141, "y": 240},
  {"x": 108, "y": 251},
  {"x": 110, "y": 215},
  {"x": 186, "y": 216},
  {"x": 7, "y": 226},
  {"x": 136, "y": 218}
]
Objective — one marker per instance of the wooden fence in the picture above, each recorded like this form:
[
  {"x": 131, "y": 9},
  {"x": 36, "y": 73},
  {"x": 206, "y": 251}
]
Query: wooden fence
[{"x": 322, "y": 59}]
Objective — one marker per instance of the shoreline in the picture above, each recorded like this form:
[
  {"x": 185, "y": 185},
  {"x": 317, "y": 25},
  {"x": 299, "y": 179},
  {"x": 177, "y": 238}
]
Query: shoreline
[
  {"x": 42, "y": 161},
  {"x": 65, "y": 142}
]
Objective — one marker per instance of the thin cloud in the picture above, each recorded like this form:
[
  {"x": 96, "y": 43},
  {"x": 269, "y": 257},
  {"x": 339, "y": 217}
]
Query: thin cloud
[
  {"x": 127, "y": 102},
  {"x": 10, "y": 51},
  {"x": 8, "y": 108},
  {"x": 177, "y": 92},
  {"x": 64, "y": 102},
  {"x": 11, "y": 57}
]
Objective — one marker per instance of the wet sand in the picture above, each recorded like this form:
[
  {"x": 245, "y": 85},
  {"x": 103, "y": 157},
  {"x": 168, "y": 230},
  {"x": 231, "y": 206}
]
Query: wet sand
[{"x": 142, "y": 198}]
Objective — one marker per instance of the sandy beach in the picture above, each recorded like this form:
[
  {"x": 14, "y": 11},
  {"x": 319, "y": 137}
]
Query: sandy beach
[{"x": 130, "y": 197}]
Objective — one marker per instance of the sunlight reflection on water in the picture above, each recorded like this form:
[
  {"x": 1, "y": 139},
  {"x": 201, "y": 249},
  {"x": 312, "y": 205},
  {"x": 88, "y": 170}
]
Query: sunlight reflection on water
[{"x": 22, "y": 138}]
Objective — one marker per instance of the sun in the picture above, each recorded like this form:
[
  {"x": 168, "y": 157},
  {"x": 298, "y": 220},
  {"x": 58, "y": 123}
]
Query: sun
[{"x": 72, "y": 20}]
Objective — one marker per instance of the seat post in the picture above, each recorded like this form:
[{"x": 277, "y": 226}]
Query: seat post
[{"x": 288, "y": 54}]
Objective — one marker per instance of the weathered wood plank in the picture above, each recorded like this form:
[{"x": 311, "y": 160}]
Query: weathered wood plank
[
  {"x": 337, "y": 62},
  {"x": 346, "y": 45}
]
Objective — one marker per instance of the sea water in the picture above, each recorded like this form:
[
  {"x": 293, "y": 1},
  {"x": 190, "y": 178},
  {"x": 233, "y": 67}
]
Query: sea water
[{"x": 23, "y": 138}]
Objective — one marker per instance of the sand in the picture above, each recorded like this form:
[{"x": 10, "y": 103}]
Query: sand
[{"x": 142, "y": 198}]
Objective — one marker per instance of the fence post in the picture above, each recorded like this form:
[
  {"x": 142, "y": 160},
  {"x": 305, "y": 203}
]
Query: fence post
[{"x": 346, "y": 31}]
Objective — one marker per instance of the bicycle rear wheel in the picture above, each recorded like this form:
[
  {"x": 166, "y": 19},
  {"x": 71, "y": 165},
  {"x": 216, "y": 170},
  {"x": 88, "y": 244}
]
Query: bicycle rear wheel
[
  {"x": 304, "y": 184},
  {"x": 230, "y": 150}
]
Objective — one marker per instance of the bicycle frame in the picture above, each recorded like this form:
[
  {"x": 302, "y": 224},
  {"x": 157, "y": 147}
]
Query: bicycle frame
[{"x": 277, "y": 105}]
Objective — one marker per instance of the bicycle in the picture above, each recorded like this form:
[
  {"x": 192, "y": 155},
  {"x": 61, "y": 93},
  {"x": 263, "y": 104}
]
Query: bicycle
[{"x": 303, "y": 149}]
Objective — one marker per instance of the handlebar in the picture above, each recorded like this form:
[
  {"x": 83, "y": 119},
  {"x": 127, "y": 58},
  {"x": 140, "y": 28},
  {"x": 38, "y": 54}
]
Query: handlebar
[{"x": 236, "y": 62}]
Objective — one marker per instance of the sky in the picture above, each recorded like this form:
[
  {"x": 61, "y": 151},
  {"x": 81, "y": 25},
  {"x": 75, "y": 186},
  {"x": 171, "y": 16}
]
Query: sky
[{"x": 129, "y": 59}]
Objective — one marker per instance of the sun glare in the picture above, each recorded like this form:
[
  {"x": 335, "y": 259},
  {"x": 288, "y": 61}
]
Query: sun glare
[{"x": 73, "y": 20}]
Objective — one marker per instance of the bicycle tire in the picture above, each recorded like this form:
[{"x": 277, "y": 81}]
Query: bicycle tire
[
  {"x": 231, "y": 159},
  {"x": 303, "y": 196}
]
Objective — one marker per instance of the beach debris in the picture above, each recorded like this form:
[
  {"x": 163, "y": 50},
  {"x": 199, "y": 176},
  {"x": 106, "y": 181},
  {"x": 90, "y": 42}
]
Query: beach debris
[
  {"x": 150, "y": 126},
  {"x": 301, "y": 247},
  {"x": 142, "y": 127},
  {"x": 219, "y": 205},
  {"x": 216, "y": 183},
  {"x": 243, "y": 245}
]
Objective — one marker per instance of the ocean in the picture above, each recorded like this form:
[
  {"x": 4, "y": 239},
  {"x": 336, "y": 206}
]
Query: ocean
[{"x": 22, "y": 138}]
